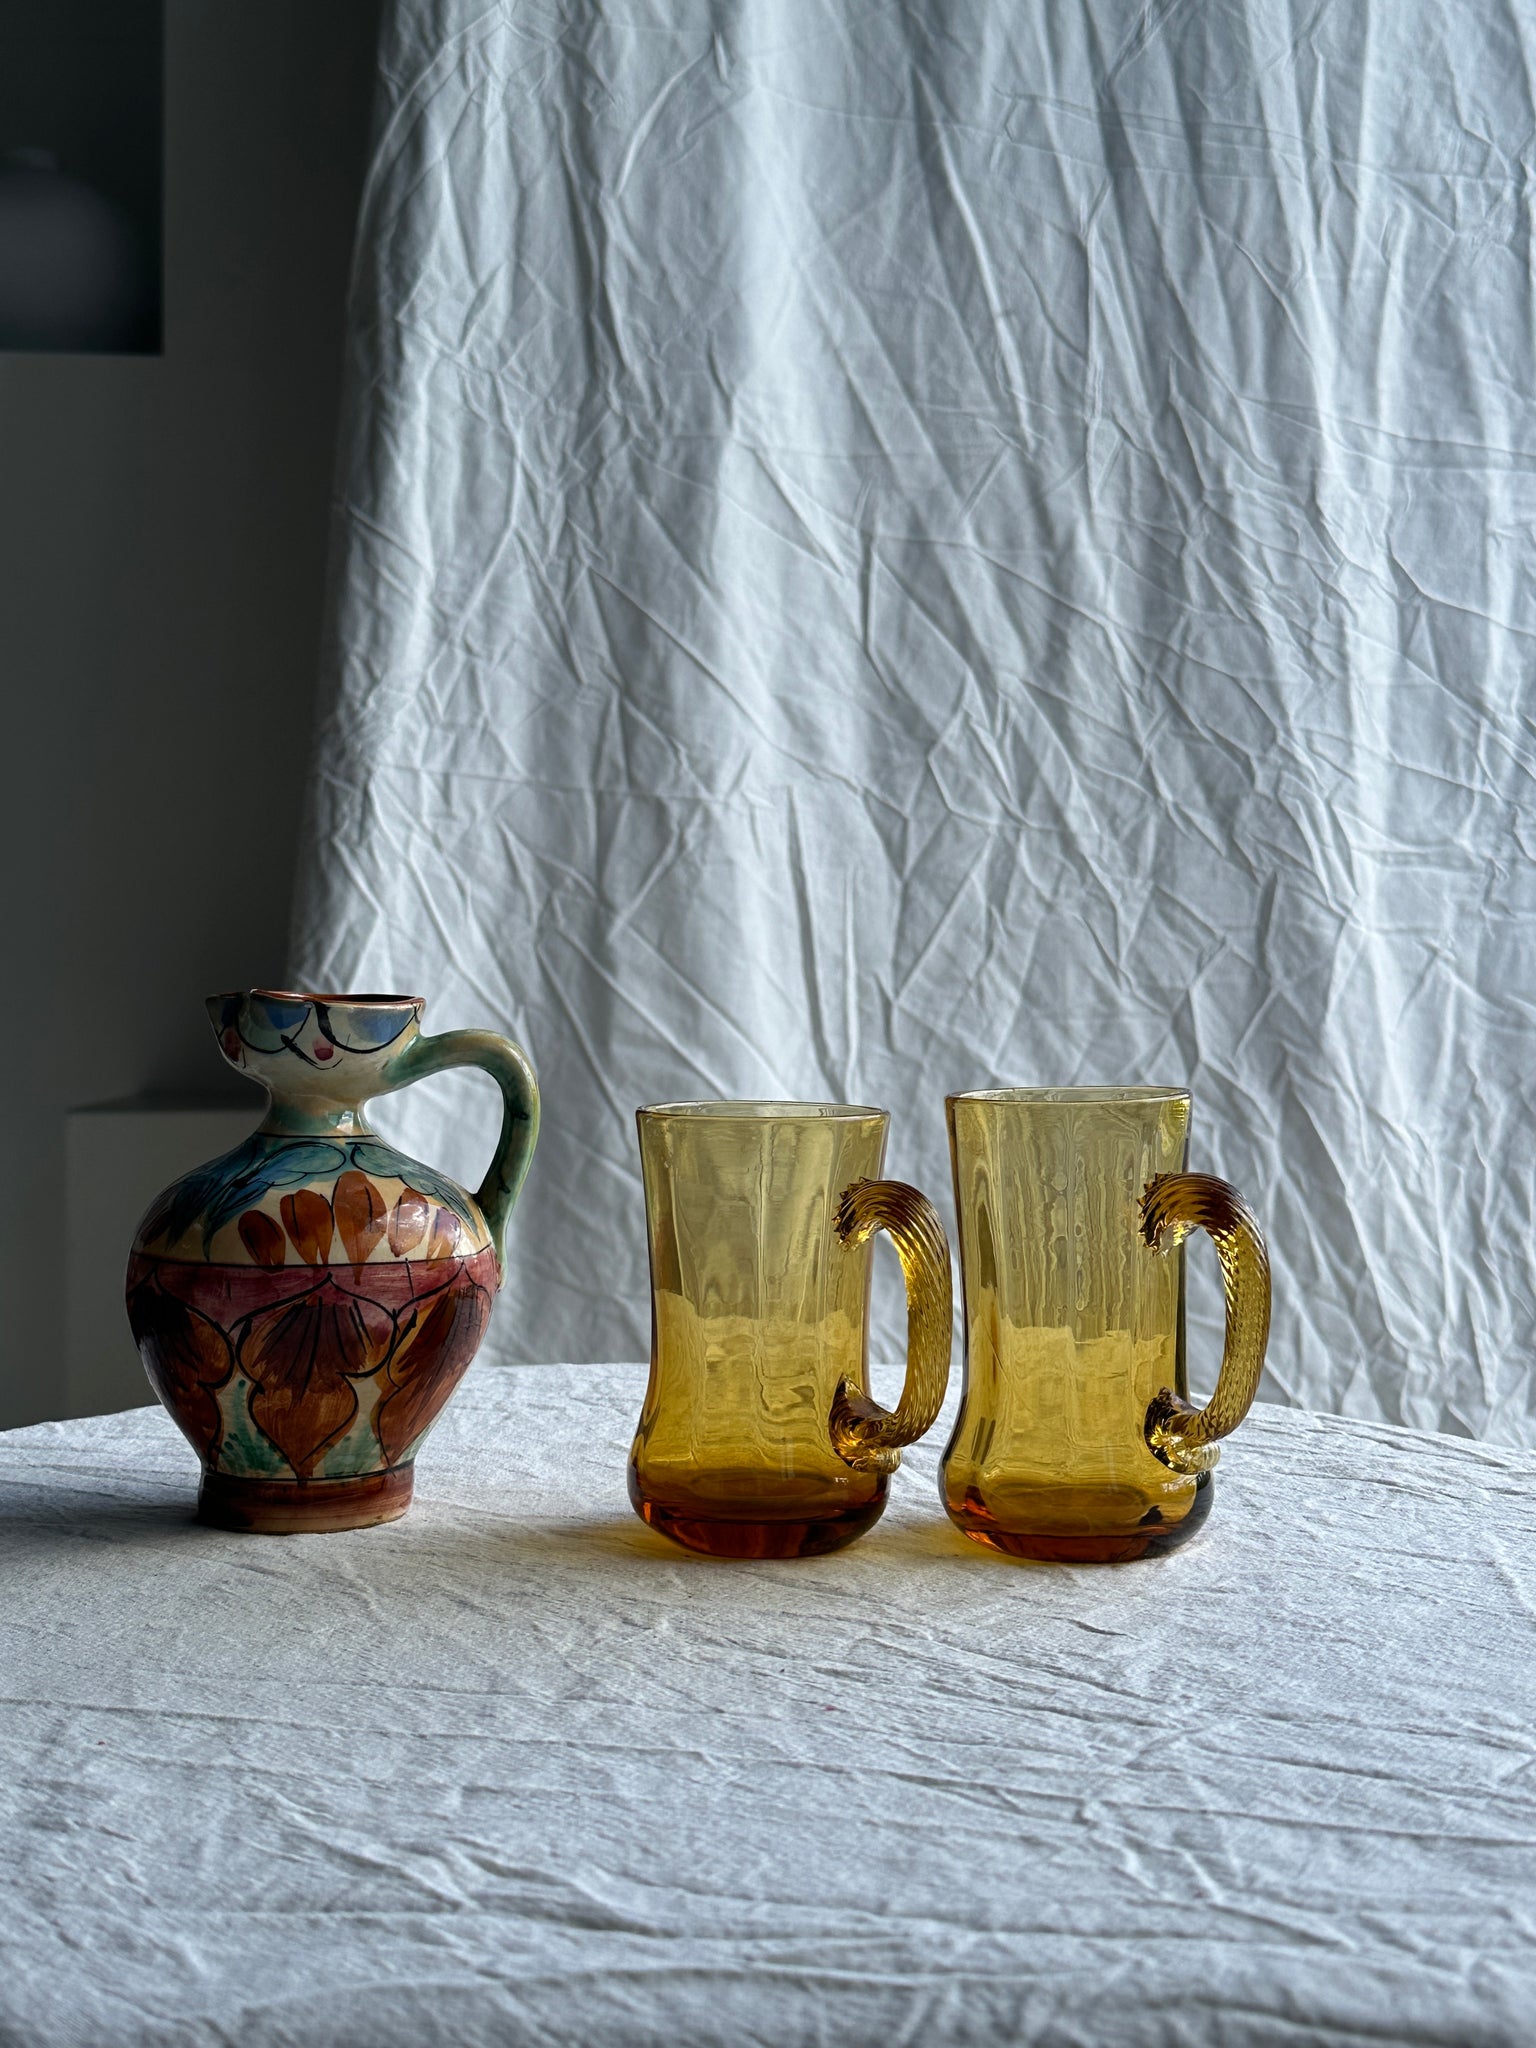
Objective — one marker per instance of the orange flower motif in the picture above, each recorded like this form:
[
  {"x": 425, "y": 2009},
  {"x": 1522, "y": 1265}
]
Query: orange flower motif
[
  {"x": 408, "y": 1222},
  {"x": 438, "y": 1339},
  {"x": 446, "y": 1232},
  {"x": 187, "y": 1357},
  {"x": 302, "y": 1357},
  {"x": 359, "y": 1211},
  {"x": 262, "y": 1238},
  {"x": 308, "y": 1221}
]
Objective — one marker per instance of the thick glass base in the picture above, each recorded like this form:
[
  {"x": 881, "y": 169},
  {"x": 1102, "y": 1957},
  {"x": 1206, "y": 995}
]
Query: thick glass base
[
  {"x": 1072, "y": 1539},
  {"x": 701, "y": 1527},
  {"x": 296, "y": 1507}
]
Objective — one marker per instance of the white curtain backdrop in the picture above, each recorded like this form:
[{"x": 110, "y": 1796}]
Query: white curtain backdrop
[{"x": 891, "y": 548}]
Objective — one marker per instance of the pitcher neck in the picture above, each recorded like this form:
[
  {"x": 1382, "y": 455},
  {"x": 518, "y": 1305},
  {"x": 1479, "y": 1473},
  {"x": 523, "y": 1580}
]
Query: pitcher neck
[{"x": 313, "y": 1120}]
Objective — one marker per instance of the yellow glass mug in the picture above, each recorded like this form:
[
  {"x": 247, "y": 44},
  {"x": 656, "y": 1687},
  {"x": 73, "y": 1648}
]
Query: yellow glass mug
[
  {"x": 1076, "y": 1438},
  {"x": 758, "y": 1437}
]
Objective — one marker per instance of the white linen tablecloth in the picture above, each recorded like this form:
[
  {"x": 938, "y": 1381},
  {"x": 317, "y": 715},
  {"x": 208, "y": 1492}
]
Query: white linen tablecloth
[{"x": 516, "y": 1770}]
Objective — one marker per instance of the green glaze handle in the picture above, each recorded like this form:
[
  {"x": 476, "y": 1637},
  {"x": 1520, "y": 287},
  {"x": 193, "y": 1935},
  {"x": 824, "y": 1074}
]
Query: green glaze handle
[{"x": 509, "y": 1067}]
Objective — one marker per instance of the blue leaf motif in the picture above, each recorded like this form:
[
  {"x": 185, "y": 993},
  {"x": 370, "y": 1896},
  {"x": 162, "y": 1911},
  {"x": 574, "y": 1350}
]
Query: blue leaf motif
[
  {"x": 268, "y": 1022},
  {"x": 359, "y": 1027},
  {"x": 223, "y": 1188}
]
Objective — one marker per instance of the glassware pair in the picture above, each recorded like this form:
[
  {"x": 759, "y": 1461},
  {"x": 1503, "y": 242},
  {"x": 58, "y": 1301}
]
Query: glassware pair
[{"x": 1076, "y": 1438}]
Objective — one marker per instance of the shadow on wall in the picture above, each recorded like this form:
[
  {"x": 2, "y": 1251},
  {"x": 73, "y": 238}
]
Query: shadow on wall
[
  {"x": 81, "y": 146},
  {"x": 163, "y": 524}
]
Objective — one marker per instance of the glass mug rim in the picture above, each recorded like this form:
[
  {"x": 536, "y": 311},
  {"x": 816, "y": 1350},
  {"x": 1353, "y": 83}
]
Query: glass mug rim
[
  {"x": 751, "y": 1110},
  {"x": 1076, "y": 1094}
]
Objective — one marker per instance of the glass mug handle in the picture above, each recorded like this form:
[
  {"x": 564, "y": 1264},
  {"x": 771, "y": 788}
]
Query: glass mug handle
[
  {"x": 864, "y": 1434},
  {"x": 1173, "y": 1205}
]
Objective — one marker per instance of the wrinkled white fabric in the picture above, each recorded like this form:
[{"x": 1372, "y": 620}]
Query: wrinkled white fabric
[
  {"x": 516, "y": 1770},
  {"x": 890, "y": 549}
]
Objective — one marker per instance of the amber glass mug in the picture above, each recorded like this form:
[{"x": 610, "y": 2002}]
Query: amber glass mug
[
  {"x": 1076, "y": 1438},
  {"x": 758, "y": 1437}
]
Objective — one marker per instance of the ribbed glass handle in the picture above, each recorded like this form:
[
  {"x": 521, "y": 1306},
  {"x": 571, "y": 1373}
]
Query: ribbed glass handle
[
  {"x": 864, "y": 1434},
  {"x": 1173, "y": 1205}
]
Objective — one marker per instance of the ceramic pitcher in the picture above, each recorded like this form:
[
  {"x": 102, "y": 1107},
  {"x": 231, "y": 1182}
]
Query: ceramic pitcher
[
  {"x": 758, "y": 1437},
  {"x": 1076, "y": 1437},
  {"x": 305, "y": 1305}
]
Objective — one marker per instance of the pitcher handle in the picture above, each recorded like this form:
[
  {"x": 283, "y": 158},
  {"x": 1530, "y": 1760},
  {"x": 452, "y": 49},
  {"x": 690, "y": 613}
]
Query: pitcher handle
[
  {"x": 864, "y": 1434},
  {"x": 509, "y": 1067},
  {"x": 1173, "y": 1205}
]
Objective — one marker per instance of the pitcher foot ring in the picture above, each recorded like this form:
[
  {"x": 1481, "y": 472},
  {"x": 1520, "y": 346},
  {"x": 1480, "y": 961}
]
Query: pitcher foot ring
[{"x": 294, "y": 1507}]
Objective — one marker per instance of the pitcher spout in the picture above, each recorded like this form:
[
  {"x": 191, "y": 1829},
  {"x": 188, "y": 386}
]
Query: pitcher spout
[{"x": 320, "y": 1058}]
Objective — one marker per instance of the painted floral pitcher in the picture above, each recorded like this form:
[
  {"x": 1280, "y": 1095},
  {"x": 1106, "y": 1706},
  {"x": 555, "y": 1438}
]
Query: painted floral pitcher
[{"x": 305, "y": 1305}]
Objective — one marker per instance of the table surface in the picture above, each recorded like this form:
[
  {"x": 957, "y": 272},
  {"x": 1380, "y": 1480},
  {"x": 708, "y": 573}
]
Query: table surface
[{"x": 517, "y": 1770}]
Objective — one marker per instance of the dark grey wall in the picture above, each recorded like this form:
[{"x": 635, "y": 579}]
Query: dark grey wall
[{"x": 162, "y": 543}]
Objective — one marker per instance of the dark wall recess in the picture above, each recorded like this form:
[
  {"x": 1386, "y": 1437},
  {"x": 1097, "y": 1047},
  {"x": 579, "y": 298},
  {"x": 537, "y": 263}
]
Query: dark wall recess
[{"x": 81, "y": 151}]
